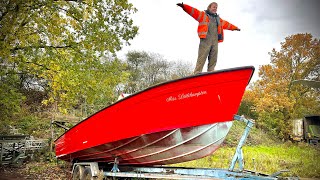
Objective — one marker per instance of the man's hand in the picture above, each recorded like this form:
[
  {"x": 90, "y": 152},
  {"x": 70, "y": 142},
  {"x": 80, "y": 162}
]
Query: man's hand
[{"x": 180, "y": 4}]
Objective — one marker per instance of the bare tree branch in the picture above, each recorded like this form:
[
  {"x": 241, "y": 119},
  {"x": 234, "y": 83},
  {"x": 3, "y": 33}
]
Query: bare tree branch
[{"x": 40, "y": 46}]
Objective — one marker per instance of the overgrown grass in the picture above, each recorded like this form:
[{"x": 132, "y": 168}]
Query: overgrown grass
[
  {"x": 264, "y": 154},
  {"x": 302, "y": 161}
]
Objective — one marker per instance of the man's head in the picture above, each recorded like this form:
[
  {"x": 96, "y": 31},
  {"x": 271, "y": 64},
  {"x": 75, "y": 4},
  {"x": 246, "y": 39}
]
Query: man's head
[{"x": 213, "y": 7}]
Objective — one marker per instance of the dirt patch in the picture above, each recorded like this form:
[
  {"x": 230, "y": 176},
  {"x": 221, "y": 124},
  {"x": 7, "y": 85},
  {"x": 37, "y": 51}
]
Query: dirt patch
[
  {"x": 34, "y": 170},
  {"x": 13, "y": 173},
  {"x": 10, "y": 174}
]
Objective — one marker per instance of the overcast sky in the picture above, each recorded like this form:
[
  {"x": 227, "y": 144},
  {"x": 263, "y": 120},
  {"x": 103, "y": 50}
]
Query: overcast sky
[{"x": 164, "y": 28}]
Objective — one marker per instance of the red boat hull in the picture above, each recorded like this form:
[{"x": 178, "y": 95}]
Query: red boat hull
[
  {"x": 193, "y": 101},
  {"x": 165, "y": 147}
]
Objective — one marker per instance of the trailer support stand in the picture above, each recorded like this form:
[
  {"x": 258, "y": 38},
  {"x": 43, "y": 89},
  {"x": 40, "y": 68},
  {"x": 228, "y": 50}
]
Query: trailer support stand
[
  {"x": 238, "y": 156},
  {"x": 115, "y": 167}
]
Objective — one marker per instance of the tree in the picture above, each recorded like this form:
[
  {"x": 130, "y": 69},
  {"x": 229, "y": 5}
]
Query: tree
[
  {"x": 65, "y": 48},
  {"x": 136, "y": 62},
  {"x": 247, "y": 105},
  {"x": 276, "y": 99},
  {"x": 179, "y": 69},
  {"x": 148, "y": 69},
  {"x": 156, "y": 70}
]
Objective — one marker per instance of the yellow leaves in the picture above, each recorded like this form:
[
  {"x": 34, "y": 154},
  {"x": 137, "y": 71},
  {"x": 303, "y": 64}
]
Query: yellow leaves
[
  {"x": 48, "y": 101},
  {"x": 85, "y": 15},
  {"x": 271, "y": 104},
  {"x": 74, "y": 24},
  {"x": 63, "y": 110},
  {"x": 89, "y": 2}
]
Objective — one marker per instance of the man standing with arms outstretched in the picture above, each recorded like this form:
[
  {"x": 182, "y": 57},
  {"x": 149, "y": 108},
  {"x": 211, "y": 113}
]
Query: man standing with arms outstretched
[{"x": 210, "y": 32}]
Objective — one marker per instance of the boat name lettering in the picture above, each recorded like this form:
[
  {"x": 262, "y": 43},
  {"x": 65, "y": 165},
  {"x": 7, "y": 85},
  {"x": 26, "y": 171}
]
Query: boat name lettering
[{"x": 187, "y": 95}]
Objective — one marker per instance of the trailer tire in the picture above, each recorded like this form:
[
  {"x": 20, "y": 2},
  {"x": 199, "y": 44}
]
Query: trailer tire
[
  {"x": 78, "y": 173},
  {"x": 87, "y": 174}
]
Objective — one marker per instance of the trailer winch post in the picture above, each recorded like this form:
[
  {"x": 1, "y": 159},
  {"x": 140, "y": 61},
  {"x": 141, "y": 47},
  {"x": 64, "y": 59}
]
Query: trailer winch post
[{"x": 238, "y": 156}]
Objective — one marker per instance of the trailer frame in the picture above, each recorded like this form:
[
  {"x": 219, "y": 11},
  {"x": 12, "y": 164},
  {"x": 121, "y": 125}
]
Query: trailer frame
[{"x": 94, "y": 169}]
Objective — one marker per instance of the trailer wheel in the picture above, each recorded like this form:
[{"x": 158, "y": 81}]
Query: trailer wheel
[
  {"x": 78, "y": 172},
  {"x": 87, "y": 174}
]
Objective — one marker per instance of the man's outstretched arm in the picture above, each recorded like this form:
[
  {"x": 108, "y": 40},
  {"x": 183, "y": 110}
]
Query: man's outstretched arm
[{"x": 228, "y": 26}]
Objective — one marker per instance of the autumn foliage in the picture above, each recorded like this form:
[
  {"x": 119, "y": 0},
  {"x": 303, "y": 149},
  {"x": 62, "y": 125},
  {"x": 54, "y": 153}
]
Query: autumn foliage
[{"x": 274, "y": 100}]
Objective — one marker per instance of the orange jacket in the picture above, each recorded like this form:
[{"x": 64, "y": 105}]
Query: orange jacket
[{"x": 203, "y": 20}]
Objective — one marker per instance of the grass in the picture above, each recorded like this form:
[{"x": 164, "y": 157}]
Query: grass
[{"x": 264, "y": 154}]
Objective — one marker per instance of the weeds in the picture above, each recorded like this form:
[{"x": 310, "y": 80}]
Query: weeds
[
  {"x": 300, "y": 161},
  {"x": 264, "y": 154}
]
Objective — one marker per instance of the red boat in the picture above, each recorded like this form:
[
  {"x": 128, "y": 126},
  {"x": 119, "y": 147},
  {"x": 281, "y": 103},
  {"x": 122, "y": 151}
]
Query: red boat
[{"x": 172, "y": 122}]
